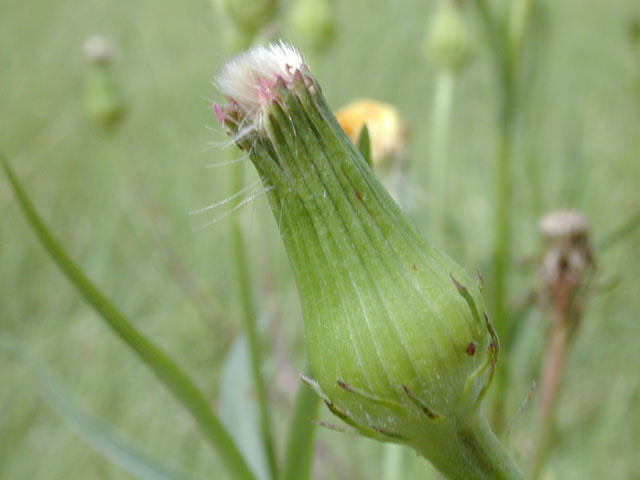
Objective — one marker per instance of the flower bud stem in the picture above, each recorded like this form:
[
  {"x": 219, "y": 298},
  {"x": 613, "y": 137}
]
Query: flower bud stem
[{"x": 474, "y": 452}]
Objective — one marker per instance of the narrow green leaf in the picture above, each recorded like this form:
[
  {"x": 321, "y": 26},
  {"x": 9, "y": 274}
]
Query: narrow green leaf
[
  {"x": 249, "y": 316},
  {"x": 299, "y": 453},
  {"x": 238, "y": 406},
  {"x": 162, "y": 365},
  {"x": 103, "y": 439},
  {"x": 97, "y": 434},
  {"x": 364, "y": 144}
]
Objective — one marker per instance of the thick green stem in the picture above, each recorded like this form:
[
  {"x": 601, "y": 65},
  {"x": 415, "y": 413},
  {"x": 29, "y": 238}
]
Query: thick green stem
[
  {"x": 249, "y": 320},
  {"x": 474, "y": 453},
  {"x": 442, "y": 105}
]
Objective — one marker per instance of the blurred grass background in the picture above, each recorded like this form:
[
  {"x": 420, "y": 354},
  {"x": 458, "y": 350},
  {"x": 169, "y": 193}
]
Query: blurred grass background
[{"x": 119, "y": 203}]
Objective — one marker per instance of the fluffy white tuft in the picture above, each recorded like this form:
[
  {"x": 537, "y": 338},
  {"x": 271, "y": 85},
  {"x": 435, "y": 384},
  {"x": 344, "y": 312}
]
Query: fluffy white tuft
[{"x": 244, "y": 77}]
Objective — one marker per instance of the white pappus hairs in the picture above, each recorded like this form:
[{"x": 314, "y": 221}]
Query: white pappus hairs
[{"x": 247, "y": 77}]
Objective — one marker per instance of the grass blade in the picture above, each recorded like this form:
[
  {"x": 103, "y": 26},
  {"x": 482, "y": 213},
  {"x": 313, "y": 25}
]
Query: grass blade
[
  {"x": 299, "y": 453},
  {"x": 162, "y": 365},
  {"x": 619, "y": 234},
  {"x": 249, "y": 316},
  {"x": 98, "y": 435},
  {"x": 238, "y": 406}
]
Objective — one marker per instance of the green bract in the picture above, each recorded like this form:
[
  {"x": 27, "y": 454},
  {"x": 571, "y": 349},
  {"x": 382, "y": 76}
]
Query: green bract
[{"x": 397, "y": 335}]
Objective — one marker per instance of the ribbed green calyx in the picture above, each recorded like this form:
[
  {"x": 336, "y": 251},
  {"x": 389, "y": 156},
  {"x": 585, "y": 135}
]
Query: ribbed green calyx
[{"x": 397, "y": 335}]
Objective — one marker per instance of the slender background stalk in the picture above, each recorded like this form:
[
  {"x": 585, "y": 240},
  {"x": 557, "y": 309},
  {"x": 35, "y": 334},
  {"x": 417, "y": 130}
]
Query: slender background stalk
[
  {"x": 444, "y": 92},
  {"x": 249, "y": 318}
]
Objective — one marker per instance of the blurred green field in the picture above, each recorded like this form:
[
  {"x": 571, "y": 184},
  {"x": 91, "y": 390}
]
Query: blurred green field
[{"x": 120, "y": 201}]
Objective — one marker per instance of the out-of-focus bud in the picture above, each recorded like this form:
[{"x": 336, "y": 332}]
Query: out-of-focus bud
[
  {"x": 237, "y": 39},
  {"x": 313, "y": 23},
  {"x": 102, "y": 98},
  {"x": 447, "y": 42},
  {"x": 387, "y": 129},
  {"x": 634, "y": 31},
  {"x": 97, "y": 50},
  {"x": 397, "y": 335},
  {"x": 249, "y": 15}
]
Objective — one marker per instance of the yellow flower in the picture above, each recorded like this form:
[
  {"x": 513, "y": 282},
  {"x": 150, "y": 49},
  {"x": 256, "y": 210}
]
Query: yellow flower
[{"x": 387, "y": 130}]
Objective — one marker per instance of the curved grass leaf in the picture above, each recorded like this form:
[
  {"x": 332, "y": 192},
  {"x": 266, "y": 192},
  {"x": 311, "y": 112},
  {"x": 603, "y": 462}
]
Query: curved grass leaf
[
  {"x": 97, "y": 434},
  {"x": 238, "y": 406},
  {"x": 162, "y": 365}
]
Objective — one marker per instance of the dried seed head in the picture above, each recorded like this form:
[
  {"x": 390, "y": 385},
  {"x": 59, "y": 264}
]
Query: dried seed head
[
  {"x": 97, "y": 49},
  {"x": 560, "y": 225},
  {"x": 567, "y": 258}
]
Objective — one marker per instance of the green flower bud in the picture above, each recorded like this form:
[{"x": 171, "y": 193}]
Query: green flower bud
[
  {"x": 249, "y": 15},
  {"x": 397, "y": 335},
  {"x": 313, "y": 23},
  {"x": 237, "y": 39},
  {"x": 102, "y": 99},
  {"x": 447, "y": 42}
]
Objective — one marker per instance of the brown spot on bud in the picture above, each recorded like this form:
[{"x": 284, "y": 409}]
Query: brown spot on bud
[
  {"x": 355, "y": 192},
  {"x": 471, "y": 349},
  {"x": 413, "y": 267}
]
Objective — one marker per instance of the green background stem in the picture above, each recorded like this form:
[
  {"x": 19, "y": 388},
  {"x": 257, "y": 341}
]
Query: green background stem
[
  {"x": 443, "y": 101},
  {"x": 249, "y": 319}
]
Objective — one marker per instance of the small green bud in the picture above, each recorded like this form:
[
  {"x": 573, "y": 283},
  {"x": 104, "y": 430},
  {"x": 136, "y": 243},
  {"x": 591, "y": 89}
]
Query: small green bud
[
  {"x": 249, "y": 15},
  {"x": 102, "y": 99},
  {"x": 237, "y": 39},
  {"x": 397, "y": 335},
  {"x": 447, "y": 42},
  {"x": 313, "y": 23}
]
